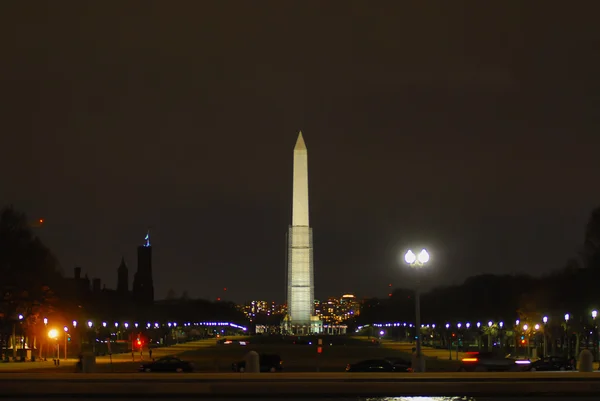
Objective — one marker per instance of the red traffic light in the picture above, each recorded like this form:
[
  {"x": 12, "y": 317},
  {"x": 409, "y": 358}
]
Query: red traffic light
[{"x": 139, "y": 342}]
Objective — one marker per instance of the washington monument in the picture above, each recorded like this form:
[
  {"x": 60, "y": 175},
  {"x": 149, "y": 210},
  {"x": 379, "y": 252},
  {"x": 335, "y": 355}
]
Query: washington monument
[{"x": 300, "y": 276}]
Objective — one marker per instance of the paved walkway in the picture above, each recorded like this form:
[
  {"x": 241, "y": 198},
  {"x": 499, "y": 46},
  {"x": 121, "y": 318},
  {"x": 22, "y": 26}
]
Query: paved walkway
[
  {"x": 116, "y": 358},
  {"x": 442, "y": 354}
]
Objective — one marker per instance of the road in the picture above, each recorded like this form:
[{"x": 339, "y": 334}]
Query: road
[{"x": 308, "y": 385}]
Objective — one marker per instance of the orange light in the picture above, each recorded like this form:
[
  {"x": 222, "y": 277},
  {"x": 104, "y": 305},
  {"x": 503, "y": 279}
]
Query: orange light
[
  {"x": 41, "y": 221},
  {"x": 522, "y": 341},
  {"x": 319, "y": 350},
  {"x": 470, "y": 359},
  {"x": 218, "y": 299}
]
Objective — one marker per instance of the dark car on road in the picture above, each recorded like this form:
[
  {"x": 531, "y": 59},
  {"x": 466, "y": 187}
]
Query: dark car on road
[
  {"x": 380, "y": 365},
  {"x": 167, "y": 364},
  {"x": 552, "y": 364},
  {"x": 488, "y": 362},
  {"x": 267, "y": 362}
]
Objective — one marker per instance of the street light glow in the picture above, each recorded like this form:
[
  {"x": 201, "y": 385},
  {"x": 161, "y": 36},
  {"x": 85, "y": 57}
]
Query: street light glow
[
  {"x": 53, "y": 334},
  {"x": 594, "y": 314},
  {"x": 525, "y": 327},
  {"x": 75, "y": 323},
  {"x": 545, "y": 319},
  {"x": 45, "y": 320},
  {"x": 423, "y": 256},
  {"x": 478, "y": 324},
  {"x": 567, "y": 316},
  {"x": 410, "y": 257},
  {"x": 537, "y": 327},
  {"x": 65, "y": 329},
  {"x": 90, "y": 324},
  {"x": 490, "y": 323}
]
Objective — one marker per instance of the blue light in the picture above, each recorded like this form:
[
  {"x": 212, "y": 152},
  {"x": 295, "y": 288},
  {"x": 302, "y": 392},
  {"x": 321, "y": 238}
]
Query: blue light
[{"x": 147, "y": 239}]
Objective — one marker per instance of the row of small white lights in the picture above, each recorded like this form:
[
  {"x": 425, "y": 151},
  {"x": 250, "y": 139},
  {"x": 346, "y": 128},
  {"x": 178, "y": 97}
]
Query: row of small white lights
[
  {"x": 478, "y": 324},
  {"x": 90, "y": 324},
  {"x": 468, "y": 325}
]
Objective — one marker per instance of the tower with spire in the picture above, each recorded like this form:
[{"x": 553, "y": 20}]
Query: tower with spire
[
  {"x": 123, "y": 278},
  {"x": 301, "y": 318},
  {"x": 143, "y": 286}
]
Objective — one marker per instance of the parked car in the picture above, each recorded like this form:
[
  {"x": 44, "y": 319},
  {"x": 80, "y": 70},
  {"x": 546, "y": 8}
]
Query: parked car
[
  {"x": 488, "y": 362},
  {"x": 267, "y": 363},
  {"x": 379, "y": 365},
  {"x": 167, "y": 364},
  {"x": 552, "y": 363}
]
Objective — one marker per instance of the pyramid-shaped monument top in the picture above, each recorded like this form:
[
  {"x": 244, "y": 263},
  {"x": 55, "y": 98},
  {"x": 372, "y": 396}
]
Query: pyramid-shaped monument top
[{"x": 300, "y": 145}]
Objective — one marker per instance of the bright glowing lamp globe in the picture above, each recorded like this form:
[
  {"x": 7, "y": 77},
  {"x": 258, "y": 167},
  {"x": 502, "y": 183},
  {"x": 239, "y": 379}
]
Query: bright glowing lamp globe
[
  {"x": 410, "y": 257},
  {"x": 423, "y": 256}
]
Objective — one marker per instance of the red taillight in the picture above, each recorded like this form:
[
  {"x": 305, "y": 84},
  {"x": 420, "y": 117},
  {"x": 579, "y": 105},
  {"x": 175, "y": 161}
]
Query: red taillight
[{"x": 470, "y": 359}]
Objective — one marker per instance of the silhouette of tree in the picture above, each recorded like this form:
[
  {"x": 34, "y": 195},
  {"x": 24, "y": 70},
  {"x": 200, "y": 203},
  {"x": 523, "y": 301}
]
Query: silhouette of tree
[
  {"x": 29, "y": 272},
  {"x": 592, "y": 240}
]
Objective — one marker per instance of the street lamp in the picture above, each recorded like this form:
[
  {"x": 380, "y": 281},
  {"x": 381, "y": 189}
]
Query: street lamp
[
  {"x": 545, "y": 320},
  {"x": 567, "y": 317},
  {"x": 46, "y": 321},
  {"x": 66, "y": 329},
  {"x": 417, "y": 261},
  {"x": 596, "y": 343},
  {"x": 90, "y": 324},
  {"x": 53, "y": 335},
  {"x": 74, "y": 324}
]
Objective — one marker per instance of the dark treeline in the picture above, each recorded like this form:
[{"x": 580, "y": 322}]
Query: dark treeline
[{"x": 572, "y": 289}]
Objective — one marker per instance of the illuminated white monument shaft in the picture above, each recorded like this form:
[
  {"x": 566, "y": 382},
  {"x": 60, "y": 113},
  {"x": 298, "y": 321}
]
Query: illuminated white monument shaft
[{"x": 300, "y": 249}]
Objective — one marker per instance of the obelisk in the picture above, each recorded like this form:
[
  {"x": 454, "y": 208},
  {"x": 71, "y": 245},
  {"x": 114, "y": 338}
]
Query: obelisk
[{"x": 300, "y": 291}]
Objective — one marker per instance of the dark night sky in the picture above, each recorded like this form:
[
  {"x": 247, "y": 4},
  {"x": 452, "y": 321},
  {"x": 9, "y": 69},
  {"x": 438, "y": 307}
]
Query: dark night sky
[{"x": 470, "y": 129}]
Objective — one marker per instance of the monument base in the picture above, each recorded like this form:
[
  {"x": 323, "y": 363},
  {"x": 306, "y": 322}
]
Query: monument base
[{"x": 290, "y": 327}]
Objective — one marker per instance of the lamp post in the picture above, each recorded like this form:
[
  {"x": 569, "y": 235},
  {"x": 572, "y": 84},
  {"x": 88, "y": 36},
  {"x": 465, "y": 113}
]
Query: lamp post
[
  {"x": 567, "y": 317},
  {"x": 53, "y": 334},
  {"x": 417, "y": 262},
  {"x": 596, "y": 342},
  {"x": 545, "y": 320},
  {"x": 66, "y": 329},
  {"x": 450, "y": 341}
]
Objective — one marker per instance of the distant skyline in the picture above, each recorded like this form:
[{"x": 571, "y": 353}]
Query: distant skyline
[{"x": 470, "y": 129}]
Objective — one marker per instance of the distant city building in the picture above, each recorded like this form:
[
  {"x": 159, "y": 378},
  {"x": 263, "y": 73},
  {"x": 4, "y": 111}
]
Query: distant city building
[
  {"x": 337, "y": 310},
  {"x": 143, "y": 286},
  {"x": 253, "y": 309}
]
